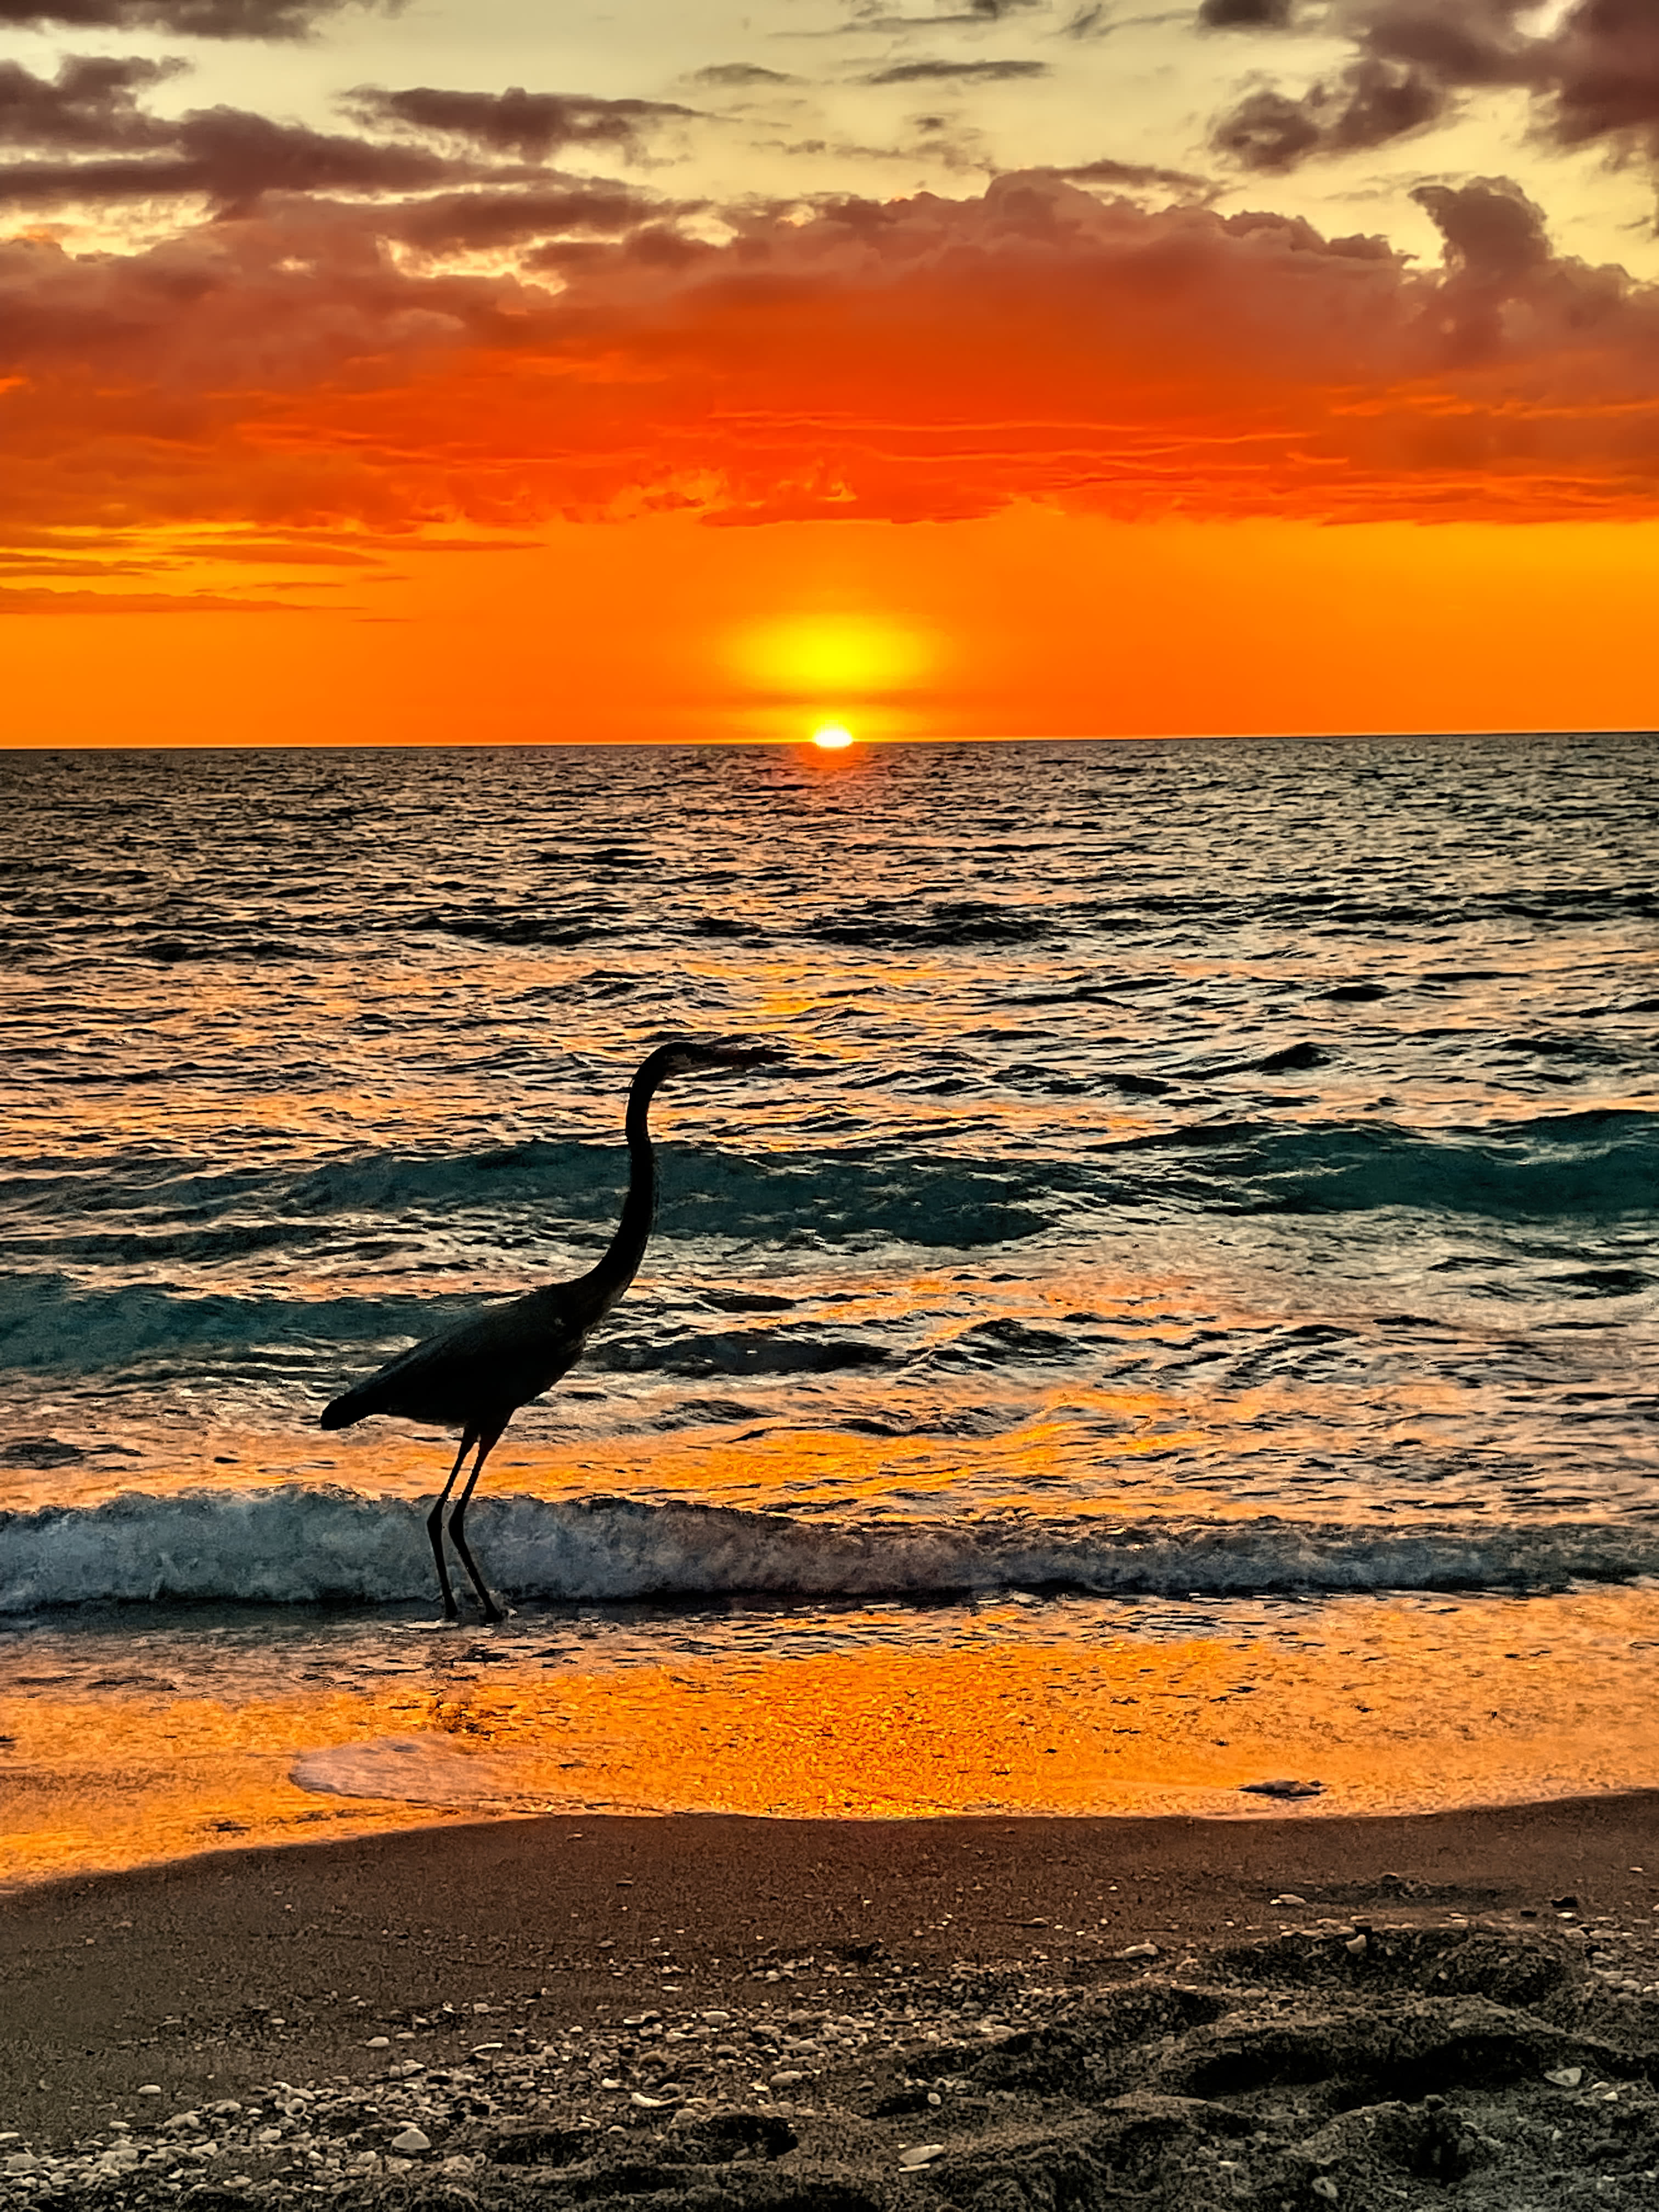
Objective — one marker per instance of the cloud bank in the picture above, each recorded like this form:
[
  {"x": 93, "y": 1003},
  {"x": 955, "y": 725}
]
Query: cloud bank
[{"x": 310, "y": 359}]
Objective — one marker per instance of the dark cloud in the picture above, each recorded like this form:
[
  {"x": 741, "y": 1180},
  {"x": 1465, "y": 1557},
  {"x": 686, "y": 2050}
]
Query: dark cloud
[
  {"x": 1497, "y": 250},
  {"x": 477, "y": 221},
  {"x": 192, "y": 19},
  {"x": 92, "y": 142},
  {"x": 1594, "y": 77},
  {"x": 1603, "y": 81},
  {"x": 730, "y": 74},
  {"x": 90, "y": 106},
  {"x": 1141, "y": 176},
  {"x": 656, "y": 246},
  {"x": 232, "y": 159},
  {"x": 1369, "y": 104},
  {"x": 1495, "y": 236},
  {"x": 956, "y": 72},
  {"x": 534, "y": 126},
  {"x": 1245, "y": 15},
  {"x": 242, "y": 156},
  {"x": 1267, "y": 130}
]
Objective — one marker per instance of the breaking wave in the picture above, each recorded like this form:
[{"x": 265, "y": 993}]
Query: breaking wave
[{"x": 295, "y": 1546}]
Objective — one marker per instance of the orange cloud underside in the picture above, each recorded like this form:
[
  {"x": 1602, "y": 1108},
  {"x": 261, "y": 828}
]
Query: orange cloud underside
[
  {"x": 1037, "y": 624},
  {"x": 927, "y": 359}
]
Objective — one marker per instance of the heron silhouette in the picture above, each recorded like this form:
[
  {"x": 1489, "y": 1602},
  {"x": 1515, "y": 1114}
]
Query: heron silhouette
[{"x": 476, "y": 1375}]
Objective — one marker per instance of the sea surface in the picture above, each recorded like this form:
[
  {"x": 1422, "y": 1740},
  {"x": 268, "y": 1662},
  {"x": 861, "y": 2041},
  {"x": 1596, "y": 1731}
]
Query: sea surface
[{"x": 1211, "y": 1188}]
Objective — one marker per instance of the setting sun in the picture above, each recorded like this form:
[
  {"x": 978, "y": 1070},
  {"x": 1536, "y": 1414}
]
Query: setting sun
[{"x": 832, "y": 737}]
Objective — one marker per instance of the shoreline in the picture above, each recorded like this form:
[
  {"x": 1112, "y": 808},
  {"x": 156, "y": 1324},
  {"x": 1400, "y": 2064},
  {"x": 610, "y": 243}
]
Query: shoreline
[
  {"x": 289, "y": 1732},
  {"x": 210, "y": 1975}
]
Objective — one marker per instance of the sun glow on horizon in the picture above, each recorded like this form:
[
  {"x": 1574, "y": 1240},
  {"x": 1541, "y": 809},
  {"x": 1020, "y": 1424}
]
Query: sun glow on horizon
[
  {"x": 834, "y": 654},
  {"x": 832, "y": 737}
]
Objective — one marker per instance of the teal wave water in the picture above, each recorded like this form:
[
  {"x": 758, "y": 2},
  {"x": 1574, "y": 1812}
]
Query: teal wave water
[
  {"x": 326, "y": 1547},
  {"x": 1261, "y": 1137}
]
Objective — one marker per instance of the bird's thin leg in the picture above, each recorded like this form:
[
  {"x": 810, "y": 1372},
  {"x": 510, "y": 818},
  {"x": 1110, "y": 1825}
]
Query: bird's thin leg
[
  {"x": 487, "y": 1443},
  {"x": 435, "y": 1528}
]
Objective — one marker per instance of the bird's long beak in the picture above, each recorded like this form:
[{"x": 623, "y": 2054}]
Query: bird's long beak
[{"x": 738, "y": 1054}]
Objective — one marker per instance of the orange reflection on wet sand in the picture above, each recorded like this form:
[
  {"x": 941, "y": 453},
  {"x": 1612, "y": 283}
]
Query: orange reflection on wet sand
[
  {"x": 93, "y": 1785},
  {"x": 1392, "y": 1705}
]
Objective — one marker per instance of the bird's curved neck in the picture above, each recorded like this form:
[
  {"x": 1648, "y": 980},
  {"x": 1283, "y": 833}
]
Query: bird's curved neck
[{"x": 616, "y": 1270}]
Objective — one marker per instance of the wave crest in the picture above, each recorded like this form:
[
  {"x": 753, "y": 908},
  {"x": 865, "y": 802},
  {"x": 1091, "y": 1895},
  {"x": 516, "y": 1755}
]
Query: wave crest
[{"x": 295, "y": 1546}]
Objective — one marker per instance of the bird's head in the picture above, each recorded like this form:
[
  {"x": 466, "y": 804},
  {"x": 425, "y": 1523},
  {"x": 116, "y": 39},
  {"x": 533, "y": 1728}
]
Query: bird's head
[{"x": 707, "y": 1057}]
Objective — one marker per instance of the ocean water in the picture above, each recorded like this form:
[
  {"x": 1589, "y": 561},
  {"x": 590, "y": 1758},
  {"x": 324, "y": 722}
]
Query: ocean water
[{"x": 1210, "y": 1181}]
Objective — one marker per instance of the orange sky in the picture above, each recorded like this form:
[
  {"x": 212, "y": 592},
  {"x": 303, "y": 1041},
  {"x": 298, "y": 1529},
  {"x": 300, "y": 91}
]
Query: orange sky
[
  {"x": 1028, "y": 624},
  {"x": 334, "y": 412}
]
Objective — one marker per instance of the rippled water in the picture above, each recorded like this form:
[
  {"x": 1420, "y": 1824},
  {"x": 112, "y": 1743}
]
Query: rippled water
[{"x": 1210, "y": 1167}]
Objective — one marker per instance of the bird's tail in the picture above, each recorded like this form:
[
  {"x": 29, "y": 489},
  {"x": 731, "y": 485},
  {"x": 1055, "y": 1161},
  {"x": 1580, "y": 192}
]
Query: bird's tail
[{"x": 340, "y": 1412}]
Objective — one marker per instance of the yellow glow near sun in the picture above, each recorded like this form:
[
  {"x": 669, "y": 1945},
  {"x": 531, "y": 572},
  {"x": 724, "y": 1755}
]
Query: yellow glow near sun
[
  {"x": 841, "y": 655},
  {"x": 832, "y": 737}
]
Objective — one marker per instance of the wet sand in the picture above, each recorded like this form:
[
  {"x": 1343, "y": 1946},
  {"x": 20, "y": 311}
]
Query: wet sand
[
  {"x": 213, "y": 1979},
  {"x": 275, "y": 1732}
]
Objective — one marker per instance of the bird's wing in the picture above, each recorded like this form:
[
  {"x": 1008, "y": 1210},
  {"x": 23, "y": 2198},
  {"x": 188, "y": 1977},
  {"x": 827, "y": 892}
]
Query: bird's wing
[{"x": 476, "y": 1370}]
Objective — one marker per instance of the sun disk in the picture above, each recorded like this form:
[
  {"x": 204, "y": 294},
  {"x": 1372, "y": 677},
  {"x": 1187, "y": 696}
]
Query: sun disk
[{"x": 832, "y": 737}]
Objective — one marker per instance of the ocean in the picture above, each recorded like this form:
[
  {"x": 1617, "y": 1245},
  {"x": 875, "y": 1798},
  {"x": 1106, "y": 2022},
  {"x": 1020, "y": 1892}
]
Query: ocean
[{"x": 1182, "y": 1318}]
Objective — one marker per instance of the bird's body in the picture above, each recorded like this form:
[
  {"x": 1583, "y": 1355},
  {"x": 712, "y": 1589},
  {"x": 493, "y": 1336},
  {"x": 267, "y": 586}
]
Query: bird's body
[
  {"x": 476, "y": 1375},
  {"x": 493, "y": 1362}
]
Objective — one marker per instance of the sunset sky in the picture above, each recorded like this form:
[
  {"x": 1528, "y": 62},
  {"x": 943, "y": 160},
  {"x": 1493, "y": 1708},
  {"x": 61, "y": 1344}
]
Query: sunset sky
[{"x": 502, "y": 371}]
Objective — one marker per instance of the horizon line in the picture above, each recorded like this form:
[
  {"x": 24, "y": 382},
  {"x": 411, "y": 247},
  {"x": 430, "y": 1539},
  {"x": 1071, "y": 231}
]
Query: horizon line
[{"x": 806, "y": 743}]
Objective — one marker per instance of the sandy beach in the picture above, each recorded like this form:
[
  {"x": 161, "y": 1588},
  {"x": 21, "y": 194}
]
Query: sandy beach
[{"x": 722, "y": 2010}]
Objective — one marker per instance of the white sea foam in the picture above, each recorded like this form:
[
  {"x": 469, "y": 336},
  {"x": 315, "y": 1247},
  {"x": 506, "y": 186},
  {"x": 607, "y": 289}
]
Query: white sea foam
[{"x": 295, "y": 1546}]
